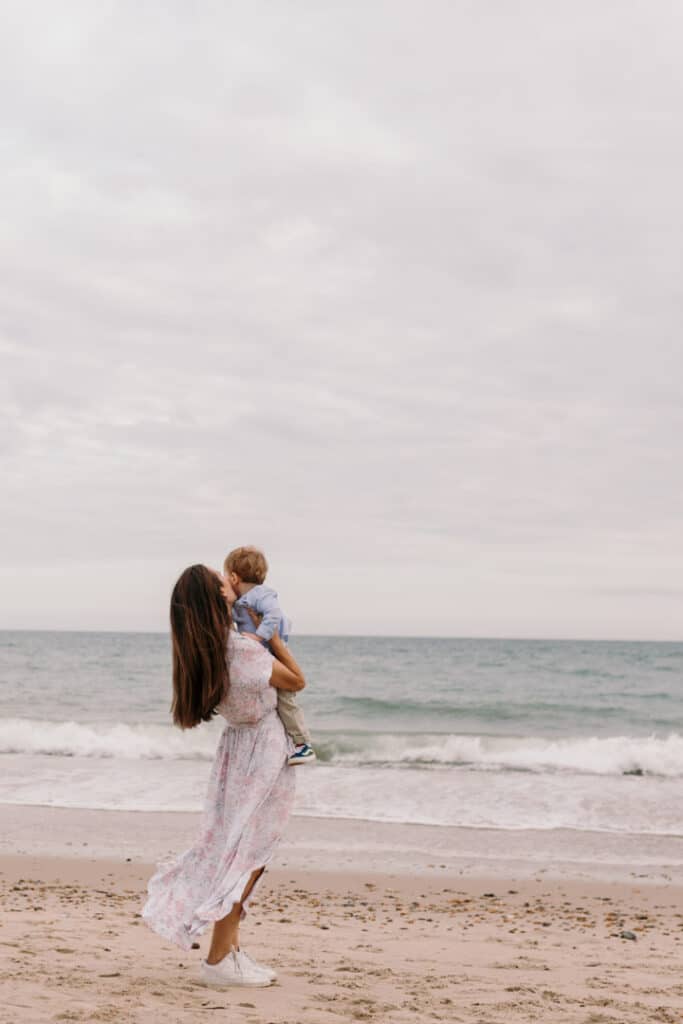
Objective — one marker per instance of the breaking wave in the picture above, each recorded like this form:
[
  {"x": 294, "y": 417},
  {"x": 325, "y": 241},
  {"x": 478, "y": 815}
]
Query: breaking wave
[{"x": 592, "y": 755}]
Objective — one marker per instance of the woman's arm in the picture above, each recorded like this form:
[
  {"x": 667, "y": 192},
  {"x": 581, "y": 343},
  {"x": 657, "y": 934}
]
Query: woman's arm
[{"x": 286, "y": 673}]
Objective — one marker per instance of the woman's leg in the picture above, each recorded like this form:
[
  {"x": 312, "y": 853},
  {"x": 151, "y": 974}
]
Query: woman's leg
[{"x": 226, "y": 932}]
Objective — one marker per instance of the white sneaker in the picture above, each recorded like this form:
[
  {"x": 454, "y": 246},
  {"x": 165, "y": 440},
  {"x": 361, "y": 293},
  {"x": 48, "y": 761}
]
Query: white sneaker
[
  {"x": 268, "y": 971},
  {"x": 234, "y": 969}
]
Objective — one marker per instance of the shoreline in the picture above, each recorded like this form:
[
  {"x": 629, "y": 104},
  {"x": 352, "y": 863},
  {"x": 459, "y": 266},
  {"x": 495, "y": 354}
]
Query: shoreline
[
  {"x": 381, "y": 822},
  {"x": 349, "y": 844}
]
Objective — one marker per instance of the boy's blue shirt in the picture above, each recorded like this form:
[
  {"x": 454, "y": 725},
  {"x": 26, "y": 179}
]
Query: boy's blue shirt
[{"x": 264, "y": 601}]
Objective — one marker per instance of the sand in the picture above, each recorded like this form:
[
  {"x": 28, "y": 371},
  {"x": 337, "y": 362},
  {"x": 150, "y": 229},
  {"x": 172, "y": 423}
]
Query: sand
[{"x": 351, "y": 943}]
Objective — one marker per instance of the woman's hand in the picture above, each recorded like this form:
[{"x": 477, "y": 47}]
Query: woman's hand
[{"x": 256, "y": 619}]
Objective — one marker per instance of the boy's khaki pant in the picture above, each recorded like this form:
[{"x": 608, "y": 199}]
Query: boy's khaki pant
[{"x": 292, "y": 717}]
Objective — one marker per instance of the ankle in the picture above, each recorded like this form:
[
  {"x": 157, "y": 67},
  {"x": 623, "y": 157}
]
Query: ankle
[{"x": 215, "y": 956}]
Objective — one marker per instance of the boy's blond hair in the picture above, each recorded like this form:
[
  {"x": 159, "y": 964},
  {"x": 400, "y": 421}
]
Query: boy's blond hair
[{"x": 249, "y": 564}]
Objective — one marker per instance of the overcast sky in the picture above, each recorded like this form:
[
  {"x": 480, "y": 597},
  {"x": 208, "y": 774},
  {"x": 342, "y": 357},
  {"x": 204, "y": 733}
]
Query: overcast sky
[{"x": 391, "y": 289}]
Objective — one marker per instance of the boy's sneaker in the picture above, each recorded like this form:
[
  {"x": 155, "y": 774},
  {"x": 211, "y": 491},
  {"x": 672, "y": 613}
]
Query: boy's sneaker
[{"x": 302, "y": 754}]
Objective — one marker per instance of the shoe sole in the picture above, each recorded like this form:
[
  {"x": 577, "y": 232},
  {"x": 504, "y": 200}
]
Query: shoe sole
[
  {"x": 301, "y": 760},
  {"x": 211, "y": 983}
]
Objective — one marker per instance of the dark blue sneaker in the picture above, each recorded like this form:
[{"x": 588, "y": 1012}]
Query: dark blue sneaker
[{"x": 303, "y": 754}]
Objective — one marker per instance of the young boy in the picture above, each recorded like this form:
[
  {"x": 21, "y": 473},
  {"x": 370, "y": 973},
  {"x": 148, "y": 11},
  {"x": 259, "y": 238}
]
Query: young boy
[{"x": 245, "y": 569}]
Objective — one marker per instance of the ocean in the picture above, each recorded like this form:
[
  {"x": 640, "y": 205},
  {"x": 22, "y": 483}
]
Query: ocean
[{"x": 503, "y": 734}]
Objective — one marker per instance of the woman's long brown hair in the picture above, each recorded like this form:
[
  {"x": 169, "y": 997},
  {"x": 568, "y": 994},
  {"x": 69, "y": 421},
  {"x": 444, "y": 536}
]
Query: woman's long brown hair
[{"x": 200, "y": 622}]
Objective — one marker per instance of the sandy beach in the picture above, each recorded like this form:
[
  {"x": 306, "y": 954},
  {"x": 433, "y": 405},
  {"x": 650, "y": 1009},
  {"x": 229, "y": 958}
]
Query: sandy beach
[
  {"x": 341, "y": 451},
  {"x": 467, "y": 939}
]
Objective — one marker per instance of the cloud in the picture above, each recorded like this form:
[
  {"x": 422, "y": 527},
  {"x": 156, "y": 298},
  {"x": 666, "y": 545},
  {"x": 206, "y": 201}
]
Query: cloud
[{"x": 392, "y": 292}]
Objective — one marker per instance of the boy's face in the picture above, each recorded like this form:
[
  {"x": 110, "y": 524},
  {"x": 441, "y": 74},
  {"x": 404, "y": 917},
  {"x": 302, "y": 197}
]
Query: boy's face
[
  {"x": 228, "y": 590},
  {"x": 233, "y": 581}
]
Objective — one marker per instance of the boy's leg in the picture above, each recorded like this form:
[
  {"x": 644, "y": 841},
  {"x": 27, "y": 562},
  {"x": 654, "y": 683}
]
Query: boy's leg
[{"x": 292, "y": 717}]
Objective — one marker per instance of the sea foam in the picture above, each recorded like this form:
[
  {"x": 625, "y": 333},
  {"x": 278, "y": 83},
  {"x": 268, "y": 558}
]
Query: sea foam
[
  {"x": 592, "y": 755},
  {"x": 604, "y": 755},
  {"x": 119, "y": 740}
]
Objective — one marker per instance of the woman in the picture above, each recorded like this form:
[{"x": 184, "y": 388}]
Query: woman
[{"x": 251, "y": 788}]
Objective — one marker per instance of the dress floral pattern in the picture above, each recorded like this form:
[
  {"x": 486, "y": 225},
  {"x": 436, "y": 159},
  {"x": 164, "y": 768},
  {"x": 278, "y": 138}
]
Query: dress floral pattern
[{"x": 249, "y": 799}]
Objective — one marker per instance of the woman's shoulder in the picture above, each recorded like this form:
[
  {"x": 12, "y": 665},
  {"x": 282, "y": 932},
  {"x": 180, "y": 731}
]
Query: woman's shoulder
[
  {"x": 238, "y": 642},
  {"x": 245, "y": 652}
]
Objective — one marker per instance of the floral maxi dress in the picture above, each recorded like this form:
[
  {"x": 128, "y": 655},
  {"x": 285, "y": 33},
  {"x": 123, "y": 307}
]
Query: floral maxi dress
[{"x": 250, "y": 796}]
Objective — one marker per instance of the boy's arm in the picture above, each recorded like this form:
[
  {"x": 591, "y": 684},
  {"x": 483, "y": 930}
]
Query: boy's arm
[{"x": 269, "y": 608}]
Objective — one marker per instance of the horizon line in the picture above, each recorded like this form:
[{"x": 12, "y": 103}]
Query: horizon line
[{"x": 365, "y": 636}]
